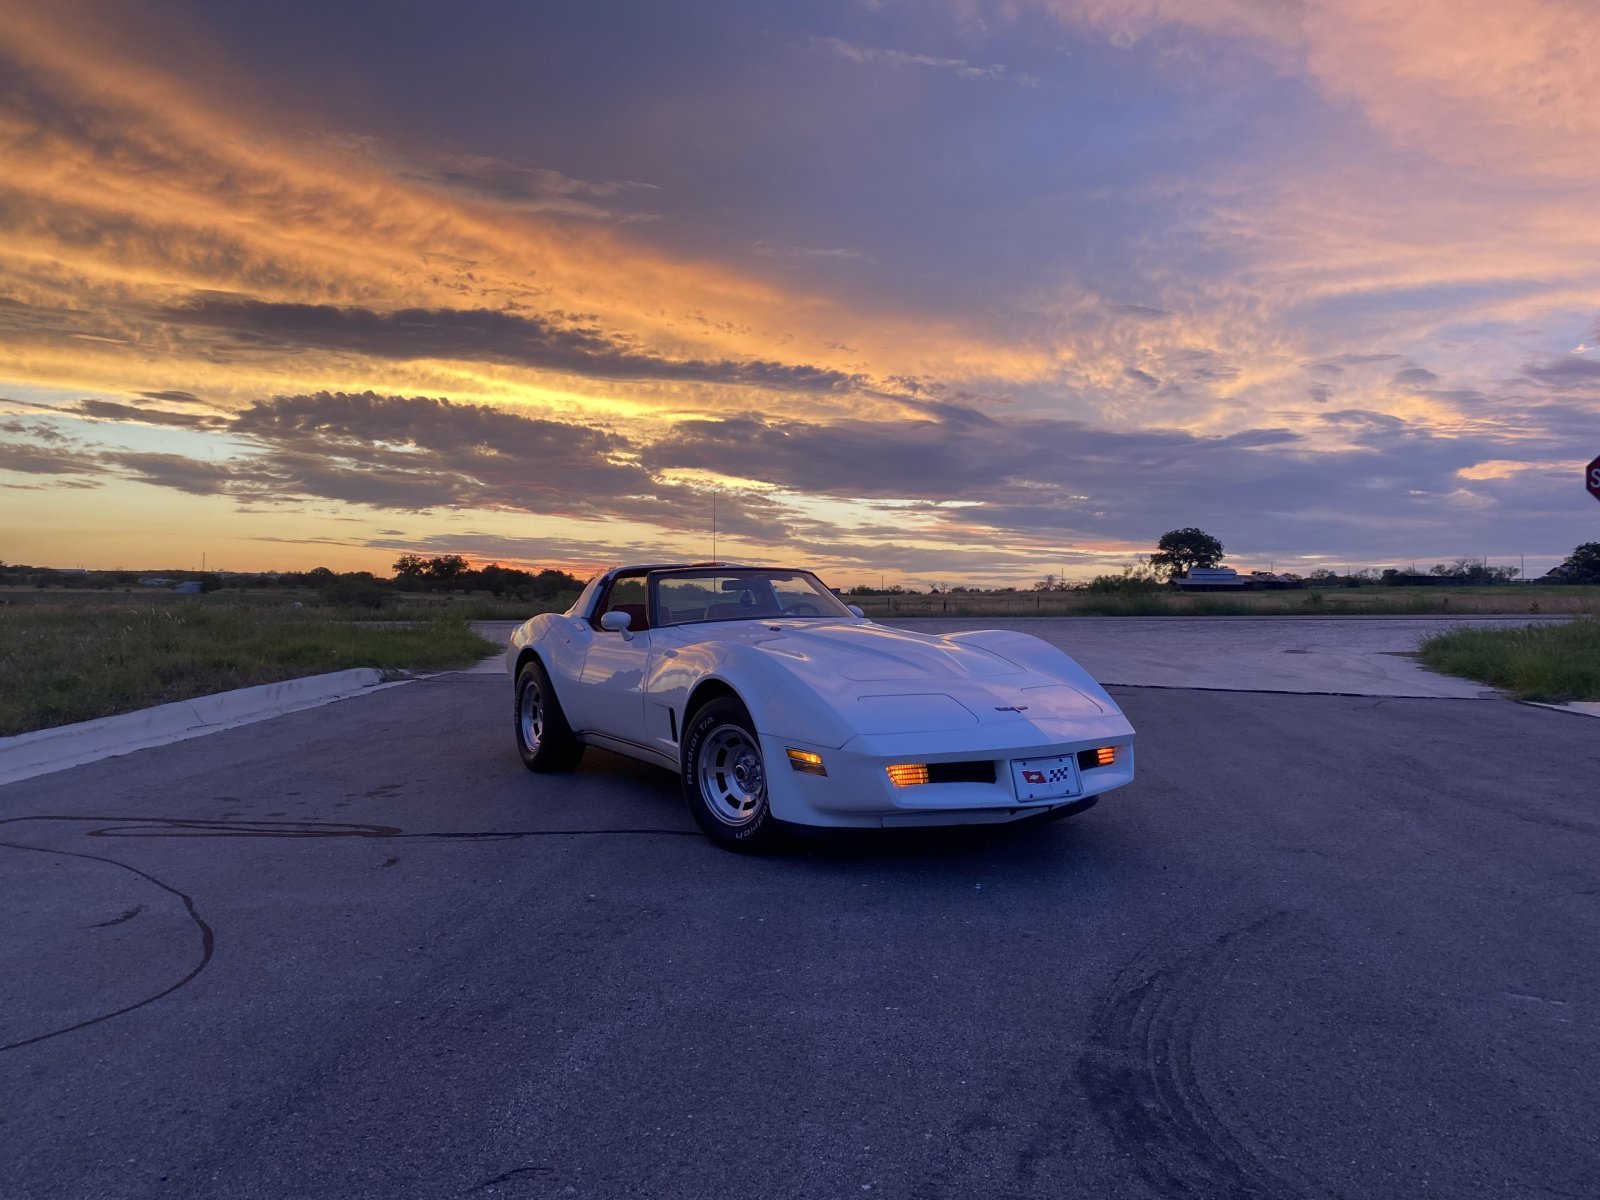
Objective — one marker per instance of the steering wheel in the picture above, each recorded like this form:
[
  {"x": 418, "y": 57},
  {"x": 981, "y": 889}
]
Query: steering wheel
[{"x": 802, "y": 609}]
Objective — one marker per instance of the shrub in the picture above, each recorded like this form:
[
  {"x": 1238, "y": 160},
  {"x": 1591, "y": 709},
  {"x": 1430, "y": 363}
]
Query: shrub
[{"x": 358, "y": 589}]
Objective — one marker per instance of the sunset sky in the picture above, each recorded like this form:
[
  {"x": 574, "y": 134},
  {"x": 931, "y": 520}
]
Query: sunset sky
[{"x": 943, "y": 292}]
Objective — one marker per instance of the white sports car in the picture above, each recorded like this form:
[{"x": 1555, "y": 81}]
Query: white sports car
[{"x": 780, "y": 705}]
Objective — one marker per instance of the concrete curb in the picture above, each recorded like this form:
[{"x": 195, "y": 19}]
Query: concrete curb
[
  {"x": 47, "y": 750},
  {"x": 1581, "y": 708}
]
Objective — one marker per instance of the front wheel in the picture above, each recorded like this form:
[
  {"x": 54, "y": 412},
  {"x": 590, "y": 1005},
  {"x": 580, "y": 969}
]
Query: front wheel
[
  {"x": 544, "y": 739},
  {"x": 725, "y": 778}
]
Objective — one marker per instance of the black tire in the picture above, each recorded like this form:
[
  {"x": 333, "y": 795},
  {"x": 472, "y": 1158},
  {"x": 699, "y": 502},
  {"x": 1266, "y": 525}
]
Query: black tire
[
  {"x": 544, "y": 739},
  {"x": 724, "y": 778}
]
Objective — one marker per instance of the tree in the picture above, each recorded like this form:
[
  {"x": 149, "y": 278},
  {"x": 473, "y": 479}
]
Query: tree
[
  {"x": 1134, "y": 580},
  {"x": 356, "y": 588},
  {"x": 410, "y": 566},
  {"x": 1181, "y": 550},
  {"x": 1474, "y": 570},
  {"x": 551, "y": 582},
  {"x": 447, "y": 568},
  {"x": 1583, "y": 564}
]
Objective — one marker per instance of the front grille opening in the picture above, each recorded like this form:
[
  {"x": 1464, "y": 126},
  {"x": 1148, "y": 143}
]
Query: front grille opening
[{"x": 978, "y": 771}]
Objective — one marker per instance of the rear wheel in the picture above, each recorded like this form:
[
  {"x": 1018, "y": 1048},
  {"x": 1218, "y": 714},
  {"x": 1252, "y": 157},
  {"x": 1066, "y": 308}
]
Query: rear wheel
[
  {"x": 544, "y": 739},
  {"x": 725, "y": 778}
]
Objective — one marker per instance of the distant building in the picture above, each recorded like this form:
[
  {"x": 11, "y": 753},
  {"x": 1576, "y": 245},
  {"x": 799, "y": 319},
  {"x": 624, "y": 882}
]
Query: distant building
[
  {"x": 1211, "y": 579},
  {"x": 1226, "y": 579},
  {"x": 1266, "y": 581},
  {"x": 189, "y": 587},
  {"x": 1418, "y": 579},
  {"x": 156, "y": 581}
]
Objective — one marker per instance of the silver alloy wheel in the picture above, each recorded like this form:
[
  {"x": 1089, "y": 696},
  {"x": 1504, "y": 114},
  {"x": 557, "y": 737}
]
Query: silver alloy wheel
[
  {"x": 530, "y": 715},
  {"x": 732, "y": 779}
]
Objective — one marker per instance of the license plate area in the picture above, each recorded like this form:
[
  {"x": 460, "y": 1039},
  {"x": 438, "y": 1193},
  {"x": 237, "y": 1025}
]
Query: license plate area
[{"x": 1046, "y": 778}]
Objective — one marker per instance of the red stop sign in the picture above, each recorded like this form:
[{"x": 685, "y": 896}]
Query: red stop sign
[{"x": 1591, "y": 478}]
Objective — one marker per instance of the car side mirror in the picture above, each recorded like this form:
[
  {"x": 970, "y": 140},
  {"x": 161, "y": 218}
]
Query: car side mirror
[
  {"x": 853, "y": 608},
  {"x": 618, "y": 622}
]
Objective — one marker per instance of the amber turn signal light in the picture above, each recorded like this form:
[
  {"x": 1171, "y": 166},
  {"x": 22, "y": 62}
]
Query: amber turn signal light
[
  {"x": 807, "y": 762},
  {"x": 907, "y": 774}
]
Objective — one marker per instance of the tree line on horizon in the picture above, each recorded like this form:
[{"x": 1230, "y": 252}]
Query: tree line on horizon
[
  {"x": 1178, "y": 551},
  {"x": 412, "y": 573}
]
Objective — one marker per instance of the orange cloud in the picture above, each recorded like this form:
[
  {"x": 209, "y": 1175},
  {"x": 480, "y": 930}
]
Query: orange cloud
[{"x": 124, "y": 193}]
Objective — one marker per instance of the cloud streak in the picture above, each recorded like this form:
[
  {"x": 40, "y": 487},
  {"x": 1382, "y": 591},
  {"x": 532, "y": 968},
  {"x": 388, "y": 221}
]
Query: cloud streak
[
  {"x": 962, "y": 69},
  {"x": 474, "y": 335}
]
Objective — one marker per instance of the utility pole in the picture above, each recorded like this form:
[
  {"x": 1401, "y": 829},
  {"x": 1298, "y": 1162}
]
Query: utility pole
[{"x": 713, "y": 527}]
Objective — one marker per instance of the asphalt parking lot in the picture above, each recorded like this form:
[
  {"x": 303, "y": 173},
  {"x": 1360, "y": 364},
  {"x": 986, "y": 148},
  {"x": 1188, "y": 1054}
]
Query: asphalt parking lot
[{"x": 1326, "y": 946}]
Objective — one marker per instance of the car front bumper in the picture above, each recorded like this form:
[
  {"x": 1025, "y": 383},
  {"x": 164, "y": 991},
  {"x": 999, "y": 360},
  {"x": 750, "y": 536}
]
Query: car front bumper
[{"x": 857, "y": 792}]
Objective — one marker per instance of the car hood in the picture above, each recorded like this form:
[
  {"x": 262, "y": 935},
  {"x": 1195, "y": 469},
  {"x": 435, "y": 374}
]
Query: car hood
[
  {"x": 873, "y": 653},
  {"x": 894, "y": 680}
]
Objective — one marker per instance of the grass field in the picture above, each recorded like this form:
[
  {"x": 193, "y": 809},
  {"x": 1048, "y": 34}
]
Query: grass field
[
  {"x": 74, "y": 655},
  {"x": 1551, "y": 663},
  {"x": 1339, "y": 601},
  {"x": 74, "y": 661}
]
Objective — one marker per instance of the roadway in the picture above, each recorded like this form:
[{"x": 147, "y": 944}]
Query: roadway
[{"x": 1326, "y": 945}]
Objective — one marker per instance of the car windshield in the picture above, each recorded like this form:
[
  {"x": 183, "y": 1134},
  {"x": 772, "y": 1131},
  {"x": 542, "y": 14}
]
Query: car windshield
[{"x": 742, "y": 594}]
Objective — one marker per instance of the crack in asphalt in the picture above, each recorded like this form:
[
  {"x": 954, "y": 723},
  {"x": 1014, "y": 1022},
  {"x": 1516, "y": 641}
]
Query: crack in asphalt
[{"x": 1486, "y": 694}]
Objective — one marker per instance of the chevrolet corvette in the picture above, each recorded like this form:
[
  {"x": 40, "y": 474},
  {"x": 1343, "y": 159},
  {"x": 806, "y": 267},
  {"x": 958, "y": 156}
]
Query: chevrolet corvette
[{"x": 781, "y": 706}]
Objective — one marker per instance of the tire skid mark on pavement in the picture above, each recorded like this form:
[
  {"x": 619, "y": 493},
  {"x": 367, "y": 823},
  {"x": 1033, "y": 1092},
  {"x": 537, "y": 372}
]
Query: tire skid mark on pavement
[
  {"x": 182, "y": 827},
  {"x": 207, "y": 944},
  {"x": 1140, "y": 1076},
  {"x": 511, "y": 1176}
]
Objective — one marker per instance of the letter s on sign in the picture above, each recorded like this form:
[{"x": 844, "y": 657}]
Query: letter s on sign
[{"x": 1594, "y": 478}]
